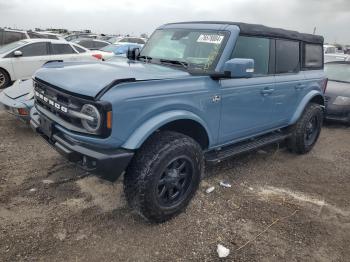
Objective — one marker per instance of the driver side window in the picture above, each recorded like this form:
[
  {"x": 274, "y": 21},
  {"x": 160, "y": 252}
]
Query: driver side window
[
  {"x": 257, "y": 48},
  {"x": 36, "y": 49}
]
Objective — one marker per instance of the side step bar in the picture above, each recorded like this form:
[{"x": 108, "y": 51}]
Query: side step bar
[{"x": 216, "y": 156}]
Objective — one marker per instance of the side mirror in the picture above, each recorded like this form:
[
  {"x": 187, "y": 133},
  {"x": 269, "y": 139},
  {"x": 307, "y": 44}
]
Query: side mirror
[
  {"x": 239, "y": 67},
  {"x": 17, "y": 53},
  {"x": 133, "y": 53}
]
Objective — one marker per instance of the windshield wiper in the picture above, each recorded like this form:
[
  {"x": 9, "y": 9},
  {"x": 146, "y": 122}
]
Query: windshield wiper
[{"x": 174, "y": 62}]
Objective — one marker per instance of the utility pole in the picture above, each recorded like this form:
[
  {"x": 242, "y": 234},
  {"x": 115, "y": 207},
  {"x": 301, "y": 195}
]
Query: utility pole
[{"x": 314, "y": 30}]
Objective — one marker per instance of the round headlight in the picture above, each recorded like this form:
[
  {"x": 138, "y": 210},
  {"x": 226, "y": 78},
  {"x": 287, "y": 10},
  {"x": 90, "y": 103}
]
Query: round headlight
[{"x": 94, "y": 124}]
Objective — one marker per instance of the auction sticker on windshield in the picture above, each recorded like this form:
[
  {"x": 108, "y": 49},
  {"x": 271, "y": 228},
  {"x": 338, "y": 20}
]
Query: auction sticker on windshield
[{"x": 208, "y": 38}]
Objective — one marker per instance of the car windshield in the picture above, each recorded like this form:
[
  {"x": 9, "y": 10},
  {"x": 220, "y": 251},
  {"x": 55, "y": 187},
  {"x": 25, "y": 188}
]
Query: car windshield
[
  {"x": 199, "y": 49},
  {"x": 9, "y": 47},
  {"x": 338, "y": 72}
]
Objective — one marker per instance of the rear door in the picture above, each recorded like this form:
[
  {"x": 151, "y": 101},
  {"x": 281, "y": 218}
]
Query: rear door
[
  {"x": 247, "y": 106},
  {"x": 289, "y": 80},
  {"x": 63, "y": 51},
  {"x": 33, "y": 57}
]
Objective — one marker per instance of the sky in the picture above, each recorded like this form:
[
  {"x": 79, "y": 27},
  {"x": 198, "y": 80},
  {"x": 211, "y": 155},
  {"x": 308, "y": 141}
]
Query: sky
[{"x": 330, "y": 17}]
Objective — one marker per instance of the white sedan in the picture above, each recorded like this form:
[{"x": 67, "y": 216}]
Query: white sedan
[{"x": 19, "y": 60}]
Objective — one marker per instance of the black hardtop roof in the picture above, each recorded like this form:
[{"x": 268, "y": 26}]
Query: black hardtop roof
[{"x": 262, "y": 30}]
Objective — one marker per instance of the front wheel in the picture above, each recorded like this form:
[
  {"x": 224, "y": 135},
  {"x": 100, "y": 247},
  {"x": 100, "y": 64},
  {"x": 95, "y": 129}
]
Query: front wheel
[
  {"x": 164, "y": 176},
  {"x": 4, "y": 79},
  {"x": 307, "y": 130}
]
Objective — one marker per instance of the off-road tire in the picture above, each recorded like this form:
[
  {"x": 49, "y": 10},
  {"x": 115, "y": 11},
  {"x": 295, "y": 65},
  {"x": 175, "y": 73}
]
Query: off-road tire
[
  {"x": 296, "y": 143},
  {"x": 145, "y": 171},
  {"x": 4, "y": 79}
]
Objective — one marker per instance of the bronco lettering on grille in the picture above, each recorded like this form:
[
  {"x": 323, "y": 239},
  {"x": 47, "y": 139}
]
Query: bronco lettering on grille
[{"x": 51, "y": 103}]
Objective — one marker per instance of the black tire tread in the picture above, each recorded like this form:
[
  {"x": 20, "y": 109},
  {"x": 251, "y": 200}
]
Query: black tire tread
[
  {"x": 296, "y": 142},
  {"x": 7, "y": 78},
  {"x": 138, "y": 172}
]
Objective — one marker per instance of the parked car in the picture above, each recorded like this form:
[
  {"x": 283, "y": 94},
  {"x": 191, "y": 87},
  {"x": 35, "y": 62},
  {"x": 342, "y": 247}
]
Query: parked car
[
  {"x": 331, "y": 53},
  {"x": 121, "y": 48},
  {"x": 8, "y": 36},
  {"x": 338, "y": 91},
  {"x": 198, "y": 92},
  {"x": 19, "y": 60},
  {"x": 91, "y": 44},
  {"x": 128, "y": 39},
  {"x": 80, "y": 35},
  {"x": 48, "y": 35},
  {"x": 18, "y": 99},
  {"x": 107, "y": 37}
]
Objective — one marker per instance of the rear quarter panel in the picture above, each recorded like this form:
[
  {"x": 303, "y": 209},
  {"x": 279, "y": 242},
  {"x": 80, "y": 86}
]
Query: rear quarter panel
[{"x": 313, "y": 80}]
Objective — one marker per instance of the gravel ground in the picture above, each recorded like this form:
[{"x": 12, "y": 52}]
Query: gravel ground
[{"x": 281, "y": 207}]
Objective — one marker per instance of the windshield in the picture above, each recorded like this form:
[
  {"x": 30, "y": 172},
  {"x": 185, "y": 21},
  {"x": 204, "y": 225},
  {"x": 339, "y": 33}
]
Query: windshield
[
  {"x": 9, "y": 47},
  {"x": 338, "y": 72},
  {"x": 196, "y": 48}
]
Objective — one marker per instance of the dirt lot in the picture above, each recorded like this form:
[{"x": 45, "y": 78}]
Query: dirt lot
[{"x": 286, "y": 207}]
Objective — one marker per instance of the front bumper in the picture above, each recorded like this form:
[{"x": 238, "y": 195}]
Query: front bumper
[
  {"x": 107, "y": 163},
  {"x": 11, "y": 106},
  {"x": 338, "y": 113}
]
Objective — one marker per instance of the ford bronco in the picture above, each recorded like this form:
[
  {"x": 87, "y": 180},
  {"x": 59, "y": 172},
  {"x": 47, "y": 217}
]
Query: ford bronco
[{"x": 197, "y": 92}]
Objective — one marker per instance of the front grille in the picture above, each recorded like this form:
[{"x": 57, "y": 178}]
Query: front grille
[{"x": 59, "y": 103}]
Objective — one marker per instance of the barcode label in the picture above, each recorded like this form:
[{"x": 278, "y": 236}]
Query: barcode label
[{"x": 212, "y": 39}]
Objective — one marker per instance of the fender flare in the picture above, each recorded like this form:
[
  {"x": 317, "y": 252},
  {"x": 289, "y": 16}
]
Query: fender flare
[
  {"x": 147, "y": 128},
  {"x": 306, "y": 100}
]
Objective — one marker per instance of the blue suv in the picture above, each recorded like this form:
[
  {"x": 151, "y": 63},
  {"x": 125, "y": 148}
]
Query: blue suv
[{"x": 198, "y": 92}]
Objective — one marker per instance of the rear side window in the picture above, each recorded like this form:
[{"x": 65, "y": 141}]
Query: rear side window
[
  {"x": 36, "y": 49},
  {"x": 330, "y": 50},
  {"x": 10, "y": 37},
  {"x": 287, "y": 56},
  {"x": 79, "y": 49},
  {"x": 61, "y": 49},
  {"x": 256, "y": 48},
  {"x": 313, "y": 56}
]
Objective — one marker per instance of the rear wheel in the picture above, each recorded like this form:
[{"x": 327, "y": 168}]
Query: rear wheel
[
  {"x": 4, "y": 79},
  {"x": 307, "y": 130},
  {"x": 164, "y": 176}
]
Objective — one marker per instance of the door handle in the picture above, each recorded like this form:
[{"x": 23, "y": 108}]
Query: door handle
[
  {"x": 267, "y": 91},
  {"x": 300, "y": 86}
]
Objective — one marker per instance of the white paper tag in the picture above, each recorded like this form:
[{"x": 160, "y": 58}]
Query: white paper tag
[{"x": 211, "y": 39}]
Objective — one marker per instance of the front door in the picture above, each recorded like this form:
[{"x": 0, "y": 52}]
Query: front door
[
  {"x": 246, "y": 107},
  {"x": 247, "y": 104},
  {"x": 33, "y": 57}
]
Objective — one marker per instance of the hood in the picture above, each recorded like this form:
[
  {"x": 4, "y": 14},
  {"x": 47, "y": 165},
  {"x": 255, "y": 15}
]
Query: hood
[
  {"x": 338, "y": 89},
  {"x": 19, "y": 88},
  {"x": 88, "y": 78}
]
